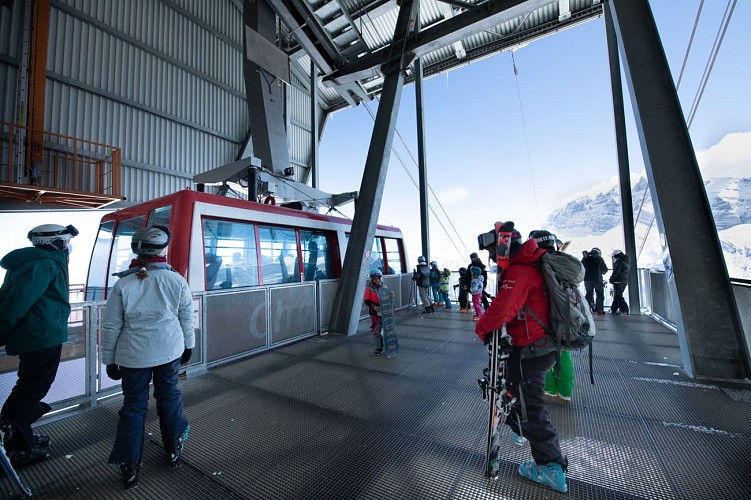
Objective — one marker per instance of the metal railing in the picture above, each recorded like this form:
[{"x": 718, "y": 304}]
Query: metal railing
[
  {"x": 37, "y": 158},
  {"x": 230, "y": 325}
]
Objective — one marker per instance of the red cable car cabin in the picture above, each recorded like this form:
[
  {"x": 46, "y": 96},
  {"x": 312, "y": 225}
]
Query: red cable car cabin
[{"x": 223, "y": 243}]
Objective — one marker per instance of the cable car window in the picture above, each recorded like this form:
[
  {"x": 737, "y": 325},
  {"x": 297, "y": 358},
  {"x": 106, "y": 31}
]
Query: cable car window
[
  {"x": 121, "y": 252},
  {"x": 160, "y": 216},
  {"x": 278, "y": 249},
  {"x": 316, "y": 257},
  {"x": 393, "y": 257},
  {"x": 230, "y": 254},
  {"x": 376, "y": 255},
  {"x": 97, "y": 278}
]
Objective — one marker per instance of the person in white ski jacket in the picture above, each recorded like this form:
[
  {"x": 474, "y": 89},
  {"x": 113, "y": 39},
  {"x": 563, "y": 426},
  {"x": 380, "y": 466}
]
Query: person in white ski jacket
[{"x": 147, "y": 332}]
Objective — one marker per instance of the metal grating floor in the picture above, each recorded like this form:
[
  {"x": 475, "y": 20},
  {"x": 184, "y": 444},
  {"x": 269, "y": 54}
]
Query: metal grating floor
[{"x": 325, "y": 419}]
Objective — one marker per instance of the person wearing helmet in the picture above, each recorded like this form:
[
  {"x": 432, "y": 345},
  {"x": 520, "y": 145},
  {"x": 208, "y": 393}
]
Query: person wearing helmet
[
  {"x": 559, "y": 383},
  {"x": 619, "y": 280},
  {"x": 34, "y": 309},
  {"x": 532, "y": 354},
  {"x": 475, "y": 289},
  {"x": 462, "y": 299},
  {"x": 421, "y": 276},
  {"x": 475, "y": 261},
  {"x": 445, "y": 283},
  {"x": 374, "y": 284},
  {"x": 594, "y": 268},
  {"x": 435, "y": 283},
  {"x": 147, "y": 332}
]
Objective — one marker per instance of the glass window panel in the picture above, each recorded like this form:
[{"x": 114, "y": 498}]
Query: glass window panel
[
  {"x": 376, "y": 255},
  {"x": 393, "y": 257},
  {"x": 317, "y": 263},
  {"x": 160, "y": 216},
  {"x": 121, "y": 253},
  {"x": 230, "y": 254},
  {"x": 97, "y": 279},
  {"x": 278, "y": 249}
]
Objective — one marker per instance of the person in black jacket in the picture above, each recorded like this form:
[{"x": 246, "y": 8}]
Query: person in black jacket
[
  {"x": 467, "y": 280},
  {"x": 594, "y": 268},
  {"x": 619, "y": 279}
]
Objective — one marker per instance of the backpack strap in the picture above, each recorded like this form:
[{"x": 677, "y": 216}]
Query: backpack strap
[{"x": 550, "y": 332}]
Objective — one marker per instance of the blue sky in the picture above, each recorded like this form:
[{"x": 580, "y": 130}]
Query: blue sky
[{"x": 484, "y": 167}]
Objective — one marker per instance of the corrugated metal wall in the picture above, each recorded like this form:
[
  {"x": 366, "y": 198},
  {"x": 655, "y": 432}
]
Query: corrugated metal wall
[
  {"x": 161, "y": 79},
  {"x": 11, "y": 25}
]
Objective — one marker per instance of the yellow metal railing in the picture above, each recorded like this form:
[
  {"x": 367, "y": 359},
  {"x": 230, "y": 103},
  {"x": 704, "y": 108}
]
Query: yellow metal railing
[{"x": 34, "y": 158}]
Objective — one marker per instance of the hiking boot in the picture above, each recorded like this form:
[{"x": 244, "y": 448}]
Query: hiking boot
[
  {"x": 518, "y": 440},
  {"x": 551, "y": 394},
  {"x": 25, "y": 456},
  {"x": 601, "y": 313},
  {"x": 432, "y": 308},
  {"x": 129, "y": 474},
  {"x": 564, "y": 398},
  {"x": 173, "y": 450},
  {"x": 377, "y": 352},
  {"x": 551, "y": 474},
  {"x": 41, "y": 441}
]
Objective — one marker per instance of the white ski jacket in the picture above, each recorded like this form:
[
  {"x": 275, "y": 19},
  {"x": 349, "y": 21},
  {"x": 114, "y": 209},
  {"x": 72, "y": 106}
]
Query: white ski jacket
[{"x": 147, "y": 322}]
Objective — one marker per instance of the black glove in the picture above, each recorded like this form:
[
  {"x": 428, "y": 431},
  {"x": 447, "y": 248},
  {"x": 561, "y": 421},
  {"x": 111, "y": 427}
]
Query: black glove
[
  {"x": 187, "y": 353},
  {"x": 113, "y": 372}
]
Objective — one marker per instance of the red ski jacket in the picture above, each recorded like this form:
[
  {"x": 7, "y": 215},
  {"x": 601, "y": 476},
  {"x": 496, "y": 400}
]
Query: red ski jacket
[
  {"x": 522, "y": 285},
  {"x": 371, "y": 298}
]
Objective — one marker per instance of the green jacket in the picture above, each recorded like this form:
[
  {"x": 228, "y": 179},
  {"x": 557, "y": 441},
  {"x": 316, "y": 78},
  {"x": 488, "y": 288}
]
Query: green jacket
[{"x": 34, "y": 304}]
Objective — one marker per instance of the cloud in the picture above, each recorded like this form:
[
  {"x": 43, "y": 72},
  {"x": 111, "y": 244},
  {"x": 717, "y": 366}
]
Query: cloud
[
  {"x": 453, "y": 195},
  {"x": 731, "y": 157}
]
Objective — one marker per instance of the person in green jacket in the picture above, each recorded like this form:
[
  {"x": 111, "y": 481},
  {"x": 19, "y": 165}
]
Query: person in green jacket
[{"x": 34, "y": 310}]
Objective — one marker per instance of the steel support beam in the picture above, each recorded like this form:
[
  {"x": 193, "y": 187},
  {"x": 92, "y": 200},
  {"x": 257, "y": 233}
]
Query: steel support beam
[
  {"x": 421, "y": 162},
  {"x": 345, "y": 313},
  {"x": 265, "y": 94},
  {"x": 624, "y": 170},
  {"x": 709, "y": 328}
]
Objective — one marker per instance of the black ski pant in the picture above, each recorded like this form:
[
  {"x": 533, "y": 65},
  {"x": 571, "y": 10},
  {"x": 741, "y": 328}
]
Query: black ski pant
[
  {"x": 619, "y": 303},
  {"x": 36, "y": 372},
  {"x": 526, "y": 381},
  {"x": 598, "y": 288}
]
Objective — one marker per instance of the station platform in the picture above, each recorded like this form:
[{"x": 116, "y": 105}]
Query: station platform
[{"x": 324, "y": 418}]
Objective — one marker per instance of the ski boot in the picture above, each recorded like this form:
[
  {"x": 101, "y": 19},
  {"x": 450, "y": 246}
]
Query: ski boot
[
  {"x": 129, "y": 473},
  {"x": 551, "y": 474},
  {"x": 173, "y": 450}
]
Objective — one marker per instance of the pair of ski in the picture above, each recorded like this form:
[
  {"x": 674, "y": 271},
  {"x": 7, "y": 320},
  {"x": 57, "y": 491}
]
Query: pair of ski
[
  {"x": 494, "y": 381},
  {"x": 8, "y": 467}
]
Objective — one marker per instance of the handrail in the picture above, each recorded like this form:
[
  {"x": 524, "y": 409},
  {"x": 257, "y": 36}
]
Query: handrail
[{"x": 30, "y": 157}]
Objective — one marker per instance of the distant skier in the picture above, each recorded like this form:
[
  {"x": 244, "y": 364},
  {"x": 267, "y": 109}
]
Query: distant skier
[
  {"x": 475, "y": 289},
  {"x": 619, "y": 280},
  {"x": 445, "y": 282},
  {"x": 475, "y": 261},
  {"x": 594, "y": 268},
  {"x": 421, "y": 277},
  {"x": 435, "y": 283},
  {"x": 374, "y": 308},
  {"x": 463, "y": 290}
]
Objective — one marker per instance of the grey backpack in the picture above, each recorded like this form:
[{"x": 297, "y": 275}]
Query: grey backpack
[{"x": 571, "y": 323}]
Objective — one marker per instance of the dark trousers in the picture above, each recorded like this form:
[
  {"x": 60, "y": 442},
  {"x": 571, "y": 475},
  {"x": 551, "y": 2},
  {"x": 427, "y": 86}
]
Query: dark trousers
[
  {"x": 526, "y": 381},
  {"x": 597, "y": 287},
  {"x": 375, "y": 329},
  {"x": 619, "y": 303},
  {"x": 169, "y": 406},
  {"x": 36, "y": 372}
]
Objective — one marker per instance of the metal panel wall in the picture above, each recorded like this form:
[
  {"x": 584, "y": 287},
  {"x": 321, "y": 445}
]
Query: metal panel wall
[
  {"x": 160, "y": 79},
  {"x": 11, "y": 26}
]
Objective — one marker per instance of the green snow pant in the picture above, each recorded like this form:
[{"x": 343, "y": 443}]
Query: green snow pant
[{"x": 561, "y": 382}]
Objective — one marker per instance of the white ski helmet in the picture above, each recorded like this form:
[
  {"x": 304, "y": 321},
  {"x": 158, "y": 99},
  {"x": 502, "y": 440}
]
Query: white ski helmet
[
  {"x": 52, "y": 234},
  {"x": 150, "y": 240}
]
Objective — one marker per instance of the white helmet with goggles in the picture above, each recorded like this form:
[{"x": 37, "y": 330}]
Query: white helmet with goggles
[
  {"x": 53, "y": 235},
  {"x": 150, "y": 240}
]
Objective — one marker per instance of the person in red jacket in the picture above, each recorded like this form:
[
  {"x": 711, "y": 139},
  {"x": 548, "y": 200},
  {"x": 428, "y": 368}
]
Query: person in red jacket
[
  {"x": 374, "y": 307},
  {"x": 533, "y": 354}
]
